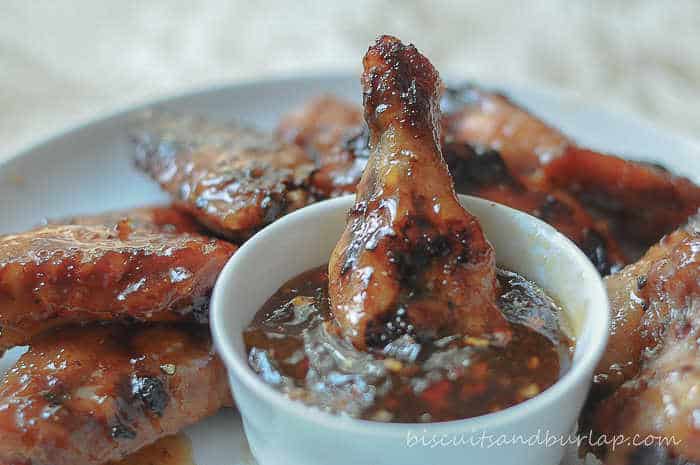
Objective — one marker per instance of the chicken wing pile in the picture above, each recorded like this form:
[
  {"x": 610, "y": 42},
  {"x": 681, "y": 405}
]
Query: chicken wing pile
[{"x": 113, "y": 306}]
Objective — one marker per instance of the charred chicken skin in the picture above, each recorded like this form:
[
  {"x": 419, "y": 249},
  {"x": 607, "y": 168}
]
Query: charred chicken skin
[
  {"x": 483, "y": 173},
  {"x": 644, "y": 202},
  {"x": 491, "y": 120},
  {"x": 58, "y": 275},
  {"x": 411, "y": 260},
  {"x": 89, "y": 395},
  {"x": 232, "y": 180},
  {"x": 652, "y": 363}
]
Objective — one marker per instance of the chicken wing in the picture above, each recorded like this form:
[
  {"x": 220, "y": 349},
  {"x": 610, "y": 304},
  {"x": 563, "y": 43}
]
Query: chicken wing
[
  {"x": 491, "y": 120},
  {"x": 642, "y": 201},
  {"x": 652, "y": 363},
  {"x": 89, "y": 395},
  {"x": 157, "y": 218},
  {"x": 63, "y": 274},
  {"x": 644, "y": 298},
  {"x": 645, "y": 200},
  {"x": 483, "y": 173},
  {"x": 332, "y": 131},
  {"x": 232, "y": 180},
  {"x": 411, "y": 260}
]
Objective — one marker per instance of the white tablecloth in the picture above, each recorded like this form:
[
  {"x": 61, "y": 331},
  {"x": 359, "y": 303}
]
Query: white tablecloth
[{"x": 62, "y": 62}]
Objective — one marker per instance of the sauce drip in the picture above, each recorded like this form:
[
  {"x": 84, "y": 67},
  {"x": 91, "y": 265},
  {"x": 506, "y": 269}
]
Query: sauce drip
[{"x": 293, "y": 345}]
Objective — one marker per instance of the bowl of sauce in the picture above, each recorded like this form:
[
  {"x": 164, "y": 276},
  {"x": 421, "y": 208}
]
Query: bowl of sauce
[{"x": 308, "y": 396}]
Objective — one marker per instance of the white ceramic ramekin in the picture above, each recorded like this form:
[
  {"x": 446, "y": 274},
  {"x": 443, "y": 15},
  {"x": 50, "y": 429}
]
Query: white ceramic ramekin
[{"x": 285, "y": 432}]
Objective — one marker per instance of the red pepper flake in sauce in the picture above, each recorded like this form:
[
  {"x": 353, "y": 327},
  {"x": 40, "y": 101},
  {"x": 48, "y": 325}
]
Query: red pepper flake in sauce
[{"x": 292, "y": 343}]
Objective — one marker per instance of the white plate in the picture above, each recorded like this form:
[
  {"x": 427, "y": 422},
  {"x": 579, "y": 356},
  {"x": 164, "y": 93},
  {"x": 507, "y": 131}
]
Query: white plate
[{"x": 89, "y": 169}]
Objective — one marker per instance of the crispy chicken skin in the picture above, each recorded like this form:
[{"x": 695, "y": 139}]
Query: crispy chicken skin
[
  {"x": 652, "y": 363},
  {"x": 233, "y": 180},
  {"x": 491, "y": 120},
  {"x": 646, "y": 200},
  {"x": 411, "y": 260},
  {"x": 157, "y": 218},
  {"x": 88, "y": 395},
  {"x": 333, "y": 132},
  {"x": 64, "y": 274},
  {"x": 484, "y": 173}
]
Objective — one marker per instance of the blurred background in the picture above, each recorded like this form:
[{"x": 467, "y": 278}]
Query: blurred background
[{"x": 62, "y": 62}]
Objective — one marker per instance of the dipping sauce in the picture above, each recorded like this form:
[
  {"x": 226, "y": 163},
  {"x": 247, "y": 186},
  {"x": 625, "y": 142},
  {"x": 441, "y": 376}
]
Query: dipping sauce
[{"x": 292, "y": 345}]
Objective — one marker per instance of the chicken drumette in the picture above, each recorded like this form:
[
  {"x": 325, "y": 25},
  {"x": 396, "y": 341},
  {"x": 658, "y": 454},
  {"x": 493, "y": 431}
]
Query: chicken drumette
[
  {"x": 89, "y": 395},
  {"x": 411, "y": 259}
]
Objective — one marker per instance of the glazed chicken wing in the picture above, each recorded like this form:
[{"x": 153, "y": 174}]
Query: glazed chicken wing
[
  {"x": 89, "y": 395},
  {"x": 332, "y": 131},
  {"x": 644, "y": 298},
  {"x": 491, "y": 120},
  {"x": 64, "y": 274},
  {"x": 483, "y": 173},
  {"x": 645, "y": 200},
  {"x": 641, "y": 201},
  {"x": 232, "y": 180},
  {"x": 652, "y": 363},
  {"x": 411, "y": 259}
]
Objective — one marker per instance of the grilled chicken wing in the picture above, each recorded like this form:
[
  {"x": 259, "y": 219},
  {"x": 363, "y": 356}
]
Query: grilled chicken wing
[
  {"x": 652, "y": 363},
  {"x": 646, "y": 201},
  {"x": 63, "y": 274},
  {"x": 89, "y": 395},
  {"x": 232, "y": 180},
  {"x": 483, "y": 118},
  {"x": 642, "y": 201},
  {"x": 157, "y": 218},
  {"x": 331, "y": 130},
  {"x": 644, "y": 297},
  {"x": 411, "y": 259},
  {"x": 484, "y": 173}
]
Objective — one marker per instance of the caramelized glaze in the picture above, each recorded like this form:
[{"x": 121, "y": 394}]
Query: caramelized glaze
[
  {"x": 491, "y": 120},
  {"x": 333, "y": 132},
  {"x": 67, "y": 274},
  {"x": 643, "y": 200},
  {"x": 88, "y": 395},
  {"x": 231, "y": 179},
  {"x": 409, "y": 250},
  {"x": 652, "y": 363},
  {"x": 484, "y": 173}
]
